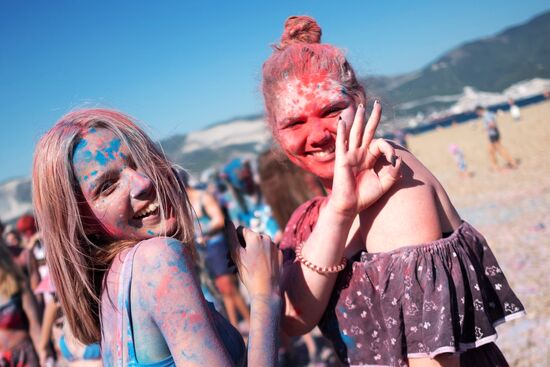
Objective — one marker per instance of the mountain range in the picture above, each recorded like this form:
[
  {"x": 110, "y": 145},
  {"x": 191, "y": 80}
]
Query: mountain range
[
  {"x": 490, "y": 64},
  {"x": 511, "y": 63}
]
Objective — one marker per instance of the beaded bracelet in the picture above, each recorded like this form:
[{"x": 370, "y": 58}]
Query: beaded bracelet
[{"x": 320, "y": 269}]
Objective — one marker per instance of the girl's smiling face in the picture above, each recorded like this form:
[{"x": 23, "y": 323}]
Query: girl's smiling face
[
  {"x": 306, "y": 117},
  {"x": 122, "y": 199}
]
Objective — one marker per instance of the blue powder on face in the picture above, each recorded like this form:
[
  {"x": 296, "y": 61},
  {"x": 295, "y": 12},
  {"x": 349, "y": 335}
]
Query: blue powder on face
[
  {"x": 87, "y": 156},
  {"x": 114, "y": 147},
  {"x": 79, "y": 151},
  {"x": 151, "y": 232},
  {"x": 92, "y": 130},
  {"x": 100, "y": 158},
  {"x": 93, "y": 173},
  {"x": 81, "y": 144}
]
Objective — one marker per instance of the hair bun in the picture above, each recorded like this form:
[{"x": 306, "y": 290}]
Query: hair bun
[{"x": 300, "y": 29}]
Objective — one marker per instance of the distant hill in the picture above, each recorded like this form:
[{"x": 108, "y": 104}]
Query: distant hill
[
  {"x": 490, "y": 64},
  {"x": 218, "y": 143}
]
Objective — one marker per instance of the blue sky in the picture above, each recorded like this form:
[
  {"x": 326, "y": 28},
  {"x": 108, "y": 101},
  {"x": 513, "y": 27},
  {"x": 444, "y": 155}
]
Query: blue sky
[{"x": 178, "y": 66}]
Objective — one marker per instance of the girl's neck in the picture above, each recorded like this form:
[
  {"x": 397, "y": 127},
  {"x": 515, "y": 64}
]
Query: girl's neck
[{"x": 327, "y": 184}]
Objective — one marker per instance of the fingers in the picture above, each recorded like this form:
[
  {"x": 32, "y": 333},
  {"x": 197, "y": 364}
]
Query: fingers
[
  {"x": 376, "y": 149},
  {"x": 356, "y": 133},
  {"x": 372, "y": 123},
  {"x": 391, "y": 176},
  {"x": 340, "y": 141},
  {"x": 381, "y": 146},
  {"x": 232, "y": 242}
]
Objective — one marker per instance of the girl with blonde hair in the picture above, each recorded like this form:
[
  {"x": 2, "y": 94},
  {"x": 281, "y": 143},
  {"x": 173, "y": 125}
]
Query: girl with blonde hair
[{"x": 118, "y": 232}]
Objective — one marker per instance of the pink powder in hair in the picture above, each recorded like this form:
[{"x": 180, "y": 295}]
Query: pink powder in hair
[{"x": 300, "y": 55}]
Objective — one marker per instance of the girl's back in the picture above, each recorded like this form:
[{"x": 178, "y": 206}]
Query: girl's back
[{"x": 164, "y": 303}]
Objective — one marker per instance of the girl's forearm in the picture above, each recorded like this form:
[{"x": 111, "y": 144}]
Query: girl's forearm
[
  {"x": 265, "y": 312},
  {"x": 306, "y": 289}
]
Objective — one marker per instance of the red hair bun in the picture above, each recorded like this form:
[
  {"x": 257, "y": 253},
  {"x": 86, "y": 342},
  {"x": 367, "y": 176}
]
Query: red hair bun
[{"x": 300, "y": 29}]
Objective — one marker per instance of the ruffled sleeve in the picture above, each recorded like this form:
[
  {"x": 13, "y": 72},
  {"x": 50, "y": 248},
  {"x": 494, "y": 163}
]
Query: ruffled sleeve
[
  {"x": 300, "y": 226},
  {"x": 420, "y": 301}
]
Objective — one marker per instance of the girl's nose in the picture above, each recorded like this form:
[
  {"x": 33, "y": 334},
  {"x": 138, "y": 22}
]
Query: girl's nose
[
  {"x": 141, "y": 186},
  {"x": 319, "y": 135}
]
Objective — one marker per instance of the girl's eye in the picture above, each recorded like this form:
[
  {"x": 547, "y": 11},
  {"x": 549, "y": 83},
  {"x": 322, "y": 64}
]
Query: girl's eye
[
  {"x": 295, "y": 123},
  {"x": 107, "y": 187}
]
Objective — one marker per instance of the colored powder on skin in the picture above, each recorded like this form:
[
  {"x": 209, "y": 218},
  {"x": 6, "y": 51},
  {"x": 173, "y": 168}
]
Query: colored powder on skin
[
  {"x": 150, "y": 232},
  {"x": 93, "y": 173},
  {"x": 114, "y": 147},
  {"x": 87, "y": 156},
  {"x": 100, "y": 158},
  {"x": 180, "y": 265},
  {"x": 81, "y": 144},
  {"x": 85, "y": 178},
  {"x": 92, "y": 130}
]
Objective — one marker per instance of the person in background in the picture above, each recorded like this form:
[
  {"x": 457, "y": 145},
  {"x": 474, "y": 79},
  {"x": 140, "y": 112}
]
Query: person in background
[
  {"x": 69, "y": 351},
  {"x": 12, "y": 237},
  {"x": 212, "y": 244},
  {"x": 285, "y": 187},
  {"x": 245, "y": 202},
  {"x": 22, "y": 257},
  {"x": 458, "y": 156},
  {"x": 31, "y": 241},
  {"x": 19, "y": 316},
  {"x": 493, "y": 133},
  {"x": 515, "y": 112}
]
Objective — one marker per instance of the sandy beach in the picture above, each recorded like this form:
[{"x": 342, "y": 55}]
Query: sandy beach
[{"x": 512, "y": 209}]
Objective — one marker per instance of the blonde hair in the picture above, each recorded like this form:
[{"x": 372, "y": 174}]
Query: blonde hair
[
  {"x": 11, "y": 279},
  {"x": 77, "y": 258}
]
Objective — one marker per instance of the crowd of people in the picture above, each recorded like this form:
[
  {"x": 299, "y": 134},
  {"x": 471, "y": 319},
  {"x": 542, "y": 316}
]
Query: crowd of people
[{"x": 338, "y": 230}]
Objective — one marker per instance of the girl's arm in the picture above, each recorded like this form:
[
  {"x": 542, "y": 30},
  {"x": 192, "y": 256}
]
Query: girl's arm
[
  {"x": 356, "y": 185},
  {"x": 171, "y": 294},
  {"x": 212, "y": 208},
  {"x": 50, "y": 314},
  {"x": 30, "y": 307}
]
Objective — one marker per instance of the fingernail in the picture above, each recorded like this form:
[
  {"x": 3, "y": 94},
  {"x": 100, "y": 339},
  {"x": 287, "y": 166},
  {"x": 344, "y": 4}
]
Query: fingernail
[
  {"x": 376, "y": 101},
  {"x": 361, "y": 105},
  {"x": 393, "y": 160}
]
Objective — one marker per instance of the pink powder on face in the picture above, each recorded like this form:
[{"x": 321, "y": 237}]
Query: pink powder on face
[{"x": 307, "y": 113}]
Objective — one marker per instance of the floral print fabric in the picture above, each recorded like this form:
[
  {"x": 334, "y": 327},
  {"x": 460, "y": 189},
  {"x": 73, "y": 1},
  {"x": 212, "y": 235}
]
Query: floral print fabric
[{"x": 446, "y": 296}]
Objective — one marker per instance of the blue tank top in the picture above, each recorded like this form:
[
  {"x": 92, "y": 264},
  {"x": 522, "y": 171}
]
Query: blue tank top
[{"x": 229, "y": 335}]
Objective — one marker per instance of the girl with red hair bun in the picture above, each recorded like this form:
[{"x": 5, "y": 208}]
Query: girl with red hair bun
[{"x": 384, "y": 265}]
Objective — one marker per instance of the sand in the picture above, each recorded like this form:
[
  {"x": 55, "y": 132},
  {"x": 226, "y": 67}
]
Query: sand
[{"x": 511, "y": 208}]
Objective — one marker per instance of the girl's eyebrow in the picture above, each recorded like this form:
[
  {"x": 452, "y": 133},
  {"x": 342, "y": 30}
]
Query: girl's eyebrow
[
  {"x": 333, "y": 104},
  {"x": 288, "y": 120}
]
